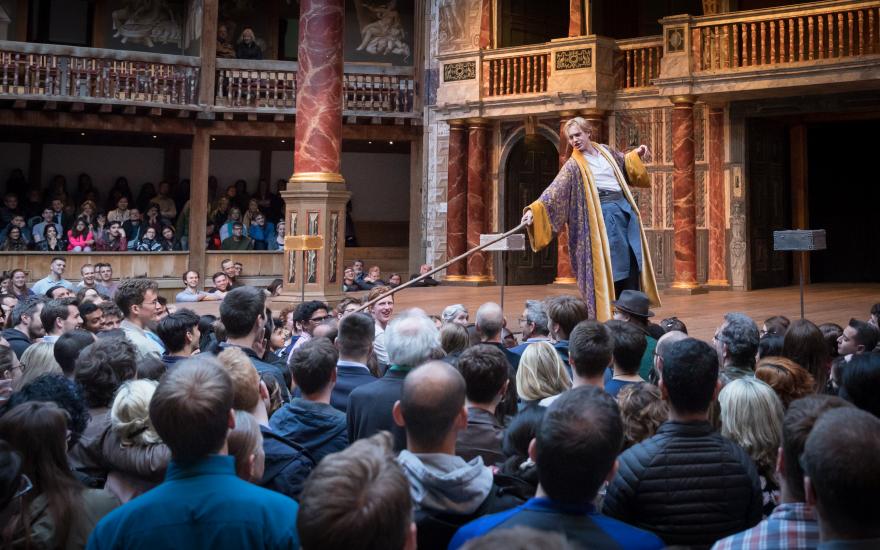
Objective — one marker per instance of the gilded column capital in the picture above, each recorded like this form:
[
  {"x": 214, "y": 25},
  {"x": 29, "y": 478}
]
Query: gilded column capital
[{"x": 683, "y": 100}]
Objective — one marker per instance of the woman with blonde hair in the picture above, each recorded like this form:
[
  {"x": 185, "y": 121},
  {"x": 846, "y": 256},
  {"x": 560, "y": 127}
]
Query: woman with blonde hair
[
  {"x": 789, "y": 380},
  {"x": 751, "y": 415},
  {"x": 245, "y": 443},
  {"x": 541, "y": 373},
  {"x": 132, "y": 437},
  {"x": 37, "y": 360}
]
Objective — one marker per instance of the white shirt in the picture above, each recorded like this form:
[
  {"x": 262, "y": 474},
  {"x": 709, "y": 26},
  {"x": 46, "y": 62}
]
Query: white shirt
[
  {"x": 603, "y": 173},
  {"x": 379, "y": 345}
]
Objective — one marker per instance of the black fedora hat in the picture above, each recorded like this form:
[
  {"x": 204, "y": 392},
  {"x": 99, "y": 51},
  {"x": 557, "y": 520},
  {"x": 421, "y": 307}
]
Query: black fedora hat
[{"x": 634, "y": 302}]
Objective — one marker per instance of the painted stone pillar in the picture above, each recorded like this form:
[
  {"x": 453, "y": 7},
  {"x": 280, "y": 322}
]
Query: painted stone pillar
[
  {"x": 596, "y": 120},
  {"x": 684, "y": 213},
  {"x": 456, "y": 199},
  {"x": 477, "y": 190},
  {"x": 564, "y": 272},
  {"x": 576, "y": 18},
  {"x": 316, "y": 195},
  {"x": 717, "y": 217}
]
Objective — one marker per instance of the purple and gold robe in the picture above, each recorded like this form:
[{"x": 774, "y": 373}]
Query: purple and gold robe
[{"x": 572, "y": 198}]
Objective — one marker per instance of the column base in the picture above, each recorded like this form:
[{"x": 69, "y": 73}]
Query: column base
[
  {"x": 565, "y": 281},
  {"x": 717, "y": 284},
  {"x": 685, "y": 289},
  {"x": 472, "y": 280},
  {"x": 453, "y": 278}
]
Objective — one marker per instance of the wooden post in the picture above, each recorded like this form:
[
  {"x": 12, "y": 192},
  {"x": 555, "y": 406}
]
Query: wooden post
[
  {"x": 800, "y": 216},
  {"x": 208, "y": 52},
  {"x": 198, "y": 202}
]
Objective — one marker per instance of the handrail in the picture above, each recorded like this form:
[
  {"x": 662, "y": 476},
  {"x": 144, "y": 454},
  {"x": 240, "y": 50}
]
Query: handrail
[
  {"x": 98, "y": 53},
  {"x": 800, "y": 10}
]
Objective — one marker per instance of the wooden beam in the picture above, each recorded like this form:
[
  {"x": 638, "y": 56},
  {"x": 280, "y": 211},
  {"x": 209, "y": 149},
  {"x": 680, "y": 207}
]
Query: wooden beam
[
  {"x": 130, "y": 110},
  {"x": 156, "y": 111},
  {"x": 800, "y": 214},
  {"x": 50, "y": 105},
  {"x": 19, "y": 104},
  {"x": 77, "y": 107},
  {"x": 198, "y": 202},
  {"x": 208, "y": 53}
]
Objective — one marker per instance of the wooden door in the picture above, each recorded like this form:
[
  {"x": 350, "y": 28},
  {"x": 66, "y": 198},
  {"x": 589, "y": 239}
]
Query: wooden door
[
  {"x": 769, "y": 201},
  {"x": 531, "y": 166}
]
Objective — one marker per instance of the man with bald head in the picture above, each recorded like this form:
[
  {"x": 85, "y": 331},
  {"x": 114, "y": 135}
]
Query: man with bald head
[
  {"x": 447, "y": 491},
  {"x": 663, "y": 344},
  {"x": 490, "y": 325}
]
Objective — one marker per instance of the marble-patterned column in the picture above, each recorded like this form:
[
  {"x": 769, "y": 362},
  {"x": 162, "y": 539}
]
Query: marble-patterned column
[
  {"x": 576, "y": 15},
  {"x": 717, "y": 217},
  {"x": 564, "y": 272},
  {"x": 486, "y": 24},
  {"x": 684, "y": 212},
  {"x": 596, "y": 120},
  {"x": 316, "y": 195},
  {"x": 456, "y": 199},
  {"x": 477, "y": 185}
]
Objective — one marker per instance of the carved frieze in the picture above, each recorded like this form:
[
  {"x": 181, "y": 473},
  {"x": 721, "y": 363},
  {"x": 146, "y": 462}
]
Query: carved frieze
[
  {"x": 574, "y": 59},
  {"x": 463, "y": 70}
]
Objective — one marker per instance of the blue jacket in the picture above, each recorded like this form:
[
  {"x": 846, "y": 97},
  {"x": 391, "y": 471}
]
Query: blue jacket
[
  {"x": 287, "y": 464},
  {"x": 581, "y": 525},
  {"x": 201, "y": 505},
  {"x": 318, "y": 427}
]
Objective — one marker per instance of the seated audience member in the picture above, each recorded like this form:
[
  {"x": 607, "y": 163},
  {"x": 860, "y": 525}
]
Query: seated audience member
[
  {"x": 789, "y": 380},
  {"x": 563, "y": 314},
  {"x": 53, "y": 510},
  {"x": 804, "y": 344},
  {"x": 62, "y": 391},
  {"x": 412, "y": 339},
  {"x": 100, "y": 369},
  {"x": 427, "y": 281},
  {"x": 454, "y": 340},
  {"x": 348, "y": 281},
  {"x": 92, "y": 316},
  {"x": 113, "y": 239},
  {"x": 858, "y": 337},
  {"x": 245, "y": 444},
  {"x": 133, "y": 228},
  {"x": 793, "y": 524},
  {"x": 373, "y": 278},
  {"x": 489, "y": 325},
  {"x": 642, "y": 410},
  {"x": 53, "y": 240},
  {"x": 394, "y": 280},
  {"x": 191, "y": 292},
  {"x": 456, "y": 313},
  {"x": 15, "y": 241},
  {"x": 310, "y": 420},
  {"x": 633, "y": 307},
  {"x": 486, "y": 376},
  {"x": 261, "y": 232},
  {"x": 36, "y": 361},
  {"x": 237, "y": 240},
  {"x": 286, "y": 463},
  {"x": 80, "y": 238},
  {"x": 168, "y": 241},
  {"x": 575, "y": 452},
  {"x": 358, "y": 499},
  {"x": 68, "y": 347},
  {"x": 355, "y": 344},
  {"x": 842, "y": 478},
  {"x": 59, "y": 317},
  {"x": 38, "y": 232},
  {"x": 704, "y": 487},
  {"x": 775, "y": 326},
  {"x": 736, "y": 342},
  {"x": 629, "y": 349},
  {"x": 861, "y": 382},
  {"x": 112, "y": 316},
  {"x": 179, "y": 332},
  {"x": 54, "y": 278},
  {"x": 589, "y": 353},
  {"x": 309, "y": 315},
  {"x": 131, "y": 437},
  {"x": 121, "y": 213},
  {"x": 432, "y": 410},
  {"x": 541, "y": 373},
  {"x": 106, "y": 286},
  {"x": 149, "y": 242},
  {"x": 533, "y": 325},
  {"x": 136, "y": 298},
  {"x": 673, "y": 324},
  {"x": 770, "y": 346},
  {"x": 191, "y": 411},
  {"x": 26, "y": 324},
  {"x": 751, "y": 415}
]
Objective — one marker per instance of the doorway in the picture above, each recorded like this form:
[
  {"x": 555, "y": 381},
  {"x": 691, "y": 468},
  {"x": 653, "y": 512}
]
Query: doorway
[{"x": 531, "y": 166}]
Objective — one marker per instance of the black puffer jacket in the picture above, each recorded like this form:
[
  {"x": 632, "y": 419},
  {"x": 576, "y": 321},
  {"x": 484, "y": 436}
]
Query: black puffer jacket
[{"x": 687, "y": 484}]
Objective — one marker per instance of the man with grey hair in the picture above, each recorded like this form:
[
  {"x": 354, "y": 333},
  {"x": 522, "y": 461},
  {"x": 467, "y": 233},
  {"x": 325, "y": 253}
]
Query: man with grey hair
[
  {"x": 411, "y": 340},
  {"x": 489, "y": 325},
  {"x": 736, "y": 342},
  {"x": 534, "y": 324}
]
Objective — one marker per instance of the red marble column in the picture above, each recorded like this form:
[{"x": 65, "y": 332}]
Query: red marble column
[
  {"x": 477, "y": 184},
  {"x": 486, "y": 24},
  {"x": 717, "y": 221},
  {"x": 456, "y": 198},
  {"x": 684, "y": 213},
  {"x": 564, "y": 272},
  {"x": 576, "y": 18},
  {"x": 318, "y": 141},
  {"x": 596, "y": 120}
]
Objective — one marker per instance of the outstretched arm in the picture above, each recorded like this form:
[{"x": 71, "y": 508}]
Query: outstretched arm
[
  {"x": 635, "y": 168},
  {"x": 549, "y": 213}
]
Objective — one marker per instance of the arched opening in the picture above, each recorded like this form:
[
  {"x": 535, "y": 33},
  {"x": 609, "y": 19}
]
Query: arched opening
[{"x": 532, "y": 164}]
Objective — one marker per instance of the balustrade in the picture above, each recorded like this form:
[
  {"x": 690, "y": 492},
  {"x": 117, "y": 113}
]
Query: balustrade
[
  {"x": 525, "y": 74},
  {"x": 637, "y": 63}
]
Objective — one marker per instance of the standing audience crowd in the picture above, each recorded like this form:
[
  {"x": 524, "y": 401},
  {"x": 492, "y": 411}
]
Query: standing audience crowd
[{"x": 128, "y": 422}]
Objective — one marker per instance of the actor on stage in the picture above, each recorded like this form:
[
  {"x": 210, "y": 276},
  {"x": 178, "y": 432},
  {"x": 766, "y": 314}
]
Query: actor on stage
[{"x": 609, "y": 252}]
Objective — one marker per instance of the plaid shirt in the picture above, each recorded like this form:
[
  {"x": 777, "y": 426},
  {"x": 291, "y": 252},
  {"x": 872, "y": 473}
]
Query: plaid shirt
[{"x": 791, "y": 525}]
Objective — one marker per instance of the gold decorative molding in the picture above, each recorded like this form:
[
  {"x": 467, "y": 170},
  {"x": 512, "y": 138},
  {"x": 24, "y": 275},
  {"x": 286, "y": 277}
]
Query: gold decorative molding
[
  {"x": 463, "y": 70},
  {"x": 574, "y": 59},
  {"x": 683, "y": 100},
  {"x": 316, "y": 177},
  {"x": 452, "y": 278}
]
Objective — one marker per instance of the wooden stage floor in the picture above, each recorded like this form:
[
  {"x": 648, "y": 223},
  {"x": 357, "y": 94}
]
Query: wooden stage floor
[{"x": 701, "y": 313}]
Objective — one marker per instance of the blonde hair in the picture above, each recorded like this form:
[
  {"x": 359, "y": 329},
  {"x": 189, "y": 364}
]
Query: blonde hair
[
  {"x": 130, "y": 413},
  {"x": 642, "y": 410},
  {"x": 541, "y": 373},
  {"x": 581, "y": 123},
  {"x": 243, "y": 442},
  {"x": 751, "y": 415},
  {"x": 37, "y": 360},
  {"x": 244, "y": 376}
]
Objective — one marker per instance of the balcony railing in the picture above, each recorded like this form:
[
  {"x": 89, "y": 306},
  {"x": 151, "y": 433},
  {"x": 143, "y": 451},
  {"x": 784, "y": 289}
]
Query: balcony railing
[
  {"x": 40, "y": 71},
  {"x": 522, "y": 74},
  {"x": 260, "y": 85},
  {"x": 637, "y": 62},
  {"x": 828, "y": 30}
]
